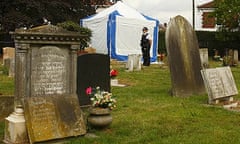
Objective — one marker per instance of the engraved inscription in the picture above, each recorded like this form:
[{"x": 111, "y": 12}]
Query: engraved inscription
[
  {"x": 49, "y": 71},
  {"x": 219, "y": 82},
  {"x": 53, "y": 117},
  {"x": 43, "y": 118},
  {"x": 228, "y": 81},
  {"x": 215, "y": 84}
]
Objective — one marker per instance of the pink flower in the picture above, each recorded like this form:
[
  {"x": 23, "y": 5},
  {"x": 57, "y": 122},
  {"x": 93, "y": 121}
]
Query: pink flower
[{"x": 89, "y": 90}]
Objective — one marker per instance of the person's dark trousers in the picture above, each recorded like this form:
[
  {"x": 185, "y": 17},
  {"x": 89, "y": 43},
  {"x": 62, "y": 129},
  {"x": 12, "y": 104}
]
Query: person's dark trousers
[{"x": 146, "y": 56}]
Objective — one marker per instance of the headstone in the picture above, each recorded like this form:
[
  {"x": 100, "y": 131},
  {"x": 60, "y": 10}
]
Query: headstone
[
  {"x": 219, "y": 83},
  {"x": 184, "y": 59},
  {"x": 53, "y": 117},
  {"x": 92, "y": 70},
  {"x": 216, "y": 56},
  {"x": 204, "y": 57},
  {"x": 11, "y": 71},
  {"x": 235, "y": 57},
  {"x": 134, "y": 62},
  {"x": 230, "y": 59},
  {"x": 8, "y": 53},
  {"x": 9, "y": 60},
  {"x": 45, "y": 82}
]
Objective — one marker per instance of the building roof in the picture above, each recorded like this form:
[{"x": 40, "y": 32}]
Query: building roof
[{"x": 207, "y": 5}]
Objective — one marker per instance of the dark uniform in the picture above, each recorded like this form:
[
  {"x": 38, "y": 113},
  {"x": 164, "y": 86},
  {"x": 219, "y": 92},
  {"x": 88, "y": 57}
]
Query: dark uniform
[{"x": 146, "y": 45}]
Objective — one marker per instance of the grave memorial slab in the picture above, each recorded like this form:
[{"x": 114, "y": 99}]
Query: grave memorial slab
[
  {"x": 204, "y": 57},
  {"x": 219, "y": 83},
  {"x": 92, "y": 70},
  {"x": 9, "y": 60},
  {"x": 134, "y": 62},
  {"x": 184, "y": 58},
  {"x": 8, "y": 53},
  {"x": 45, "y": 83},
  {"x": 235, "y": 57},
  {"x": 49, "y": 118}
]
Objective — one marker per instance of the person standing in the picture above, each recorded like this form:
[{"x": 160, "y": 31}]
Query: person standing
[{"x": 146, "y": 42}]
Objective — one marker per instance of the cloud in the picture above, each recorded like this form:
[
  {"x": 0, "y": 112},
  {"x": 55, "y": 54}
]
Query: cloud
[{"x": 165, "y": 9}]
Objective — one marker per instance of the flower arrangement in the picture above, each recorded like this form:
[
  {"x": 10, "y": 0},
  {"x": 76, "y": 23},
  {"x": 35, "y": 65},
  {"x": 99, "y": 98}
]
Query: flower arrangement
[
  {"x": 113, "y": 73},
  {"x": 100, "y": 98}
]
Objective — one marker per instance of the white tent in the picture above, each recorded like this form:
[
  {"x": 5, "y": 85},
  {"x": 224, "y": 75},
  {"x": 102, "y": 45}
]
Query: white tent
[{"x": 117, "y": 31}]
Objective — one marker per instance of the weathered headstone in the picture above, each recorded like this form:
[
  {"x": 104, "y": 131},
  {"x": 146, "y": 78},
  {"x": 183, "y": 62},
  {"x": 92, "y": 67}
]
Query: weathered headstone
[
  {"x": 184, "y": 58},
  {"x": 45, "y": 83},
  {"x": 9, "y": 60},
  {"x": 204, "y": 57},
  {"x": 93, "y": 70},
  {"x": 8, "y": 53},
  {"x": 219, "y": 83},
  {"x": 235, "y": 57},
  {"x": 51, "y": 117},
  {"x": 134, "y": 62}
]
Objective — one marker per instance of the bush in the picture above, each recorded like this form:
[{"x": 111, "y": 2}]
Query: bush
[{"x": 85, "y": 32}]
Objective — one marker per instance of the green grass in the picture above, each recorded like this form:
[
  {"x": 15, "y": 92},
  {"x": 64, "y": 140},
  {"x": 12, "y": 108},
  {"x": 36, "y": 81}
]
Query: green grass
[
  {"x": 147, "y": 114},
  {"x": 6, "y": 83}
]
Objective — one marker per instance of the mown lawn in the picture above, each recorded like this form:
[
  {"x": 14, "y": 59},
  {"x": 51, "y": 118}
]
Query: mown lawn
[{"x": 147, "y": 114}]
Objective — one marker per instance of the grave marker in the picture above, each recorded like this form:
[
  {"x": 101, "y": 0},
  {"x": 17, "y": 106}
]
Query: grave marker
[
  {"x": 235, "y": 57},
  {"x": 184, "y": 58},
  {"x": 204, "y": 57},
  {"x": 9, "y": 60},
  {"x": 134, "y": 62},
  {"x": 93, "y": 70},
  {"x": 45, "y": 83},
  {"x": 219, "y": 83}
]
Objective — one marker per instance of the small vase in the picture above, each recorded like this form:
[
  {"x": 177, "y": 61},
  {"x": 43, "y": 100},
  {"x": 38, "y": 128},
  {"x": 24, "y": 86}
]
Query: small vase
[{"x": 99, "y": 117}]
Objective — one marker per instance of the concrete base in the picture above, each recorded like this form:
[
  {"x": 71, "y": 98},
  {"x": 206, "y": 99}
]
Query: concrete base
[
  {"x": 114, "y": 82},
  {"x": 15, "y": 128}
]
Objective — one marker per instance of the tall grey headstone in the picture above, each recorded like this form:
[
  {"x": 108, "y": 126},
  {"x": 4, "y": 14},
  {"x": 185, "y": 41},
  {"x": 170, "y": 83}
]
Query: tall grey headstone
[
  {"x": 45, "y": 82},
  {"x": 184, "y": 59}
]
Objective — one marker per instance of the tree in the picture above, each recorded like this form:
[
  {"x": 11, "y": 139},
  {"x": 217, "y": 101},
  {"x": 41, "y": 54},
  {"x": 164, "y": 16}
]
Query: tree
[
  {"x": 227, "y": 13},
  {"x": 27, "y": 13}
]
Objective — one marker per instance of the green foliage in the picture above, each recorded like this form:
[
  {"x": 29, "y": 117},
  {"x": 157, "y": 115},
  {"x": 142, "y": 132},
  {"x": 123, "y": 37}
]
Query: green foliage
[
  {"x": 72, "y": 26},
  {"x": 4, "y": 70},
  {"x": 19, "y": 13},
  {"x": 227, "y": 13},
  {"x": 6, "y": 83}
]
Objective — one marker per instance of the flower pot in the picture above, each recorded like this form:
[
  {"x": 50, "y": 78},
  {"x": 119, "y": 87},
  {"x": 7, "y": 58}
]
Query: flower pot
[{"x": 99, "y": 117}]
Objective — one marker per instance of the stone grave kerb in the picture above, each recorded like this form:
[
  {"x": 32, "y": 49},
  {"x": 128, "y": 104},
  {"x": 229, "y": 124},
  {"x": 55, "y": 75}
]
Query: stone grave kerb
[{"x": 27, "y": 41}]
